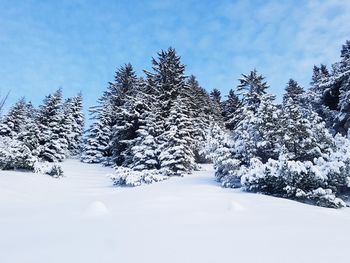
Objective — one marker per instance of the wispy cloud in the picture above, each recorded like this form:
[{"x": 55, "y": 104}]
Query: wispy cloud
[{"x": 78, "y": 44}]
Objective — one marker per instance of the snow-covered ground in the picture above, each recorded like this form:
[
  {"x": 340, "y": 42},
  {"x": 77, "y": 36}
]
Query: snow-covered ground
[{"x": 83, "y": 218}]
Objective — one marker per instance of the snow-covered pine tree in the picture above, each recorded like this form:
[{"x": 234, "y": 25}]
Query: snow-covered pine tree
[
  {"x": 14, "y": 154},
  {"x": 145, "y": 152},
  {"x": 96, "y": 142},
  {"x": 256, "y": 133},
  {"x": 30, "y": 136},
  {"x": 176, "y": 155},
  {"x": 293, "y": 91},
  {"x": 340, "y": 81},
  {"x": 74, "y": 122},
  {"x": 216, "y": 103},
  {"x": 300, "y": 141},
  {"x": 251, "y": 87},
  {"x": 230, "y": 108},
  {"x": 202, "y": 111},
  {"x": 125, "y": 116},
  {"x": 270, "y": 129},
  {"x": 330, "y": 93},
  {"x": 19, "y": 145},
  {"x": 112, "y": 127},
  {"x": 215, "y": 96},
  {"x": 95, "y": 149},
  {"x": 12, "y": 123},
  {"x": 302, "y": 169},
  {"x": 50, "y": 115},
  {"x": 165, "y": 83}
]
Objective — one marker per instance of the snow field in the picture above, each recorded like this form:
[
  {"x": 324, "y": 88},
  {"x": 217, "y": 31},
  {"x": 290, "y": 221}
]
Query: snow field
[{"x": 83, "y": 218}]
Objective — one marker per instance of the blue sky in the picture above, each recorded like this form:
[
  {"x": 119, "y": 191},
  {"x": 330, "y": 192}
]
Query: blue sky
[{"x": 78, "y": 44}]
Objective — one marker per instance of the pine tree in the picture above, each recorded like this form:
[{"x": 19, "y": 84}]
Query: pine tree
[
  {"x": 293, "y": 91},
  {"x": 345, "y": 51},
  {"x": 98, "y": 139},
  {"x": 13, "y": 122},
  {"x": 77, "y": 129},
  {"x": 165, "y": 83},
  {"x": 215, "y": 96},
  {"x": 251, "y": 88},
  {"x": 230, "y": 108},
  {"x": 299, "y": 140},
  {"x": 256, "y": 133},
  {"x": 176, "y": 156},
  {"x": 30, "y": 136},
  {"x": 145, "y": 151},
  {"x": 125, "y": 116},
  {"x": 50, "y": 115},
  {"x": 167, "y": 79},
  {"x": 101, "y": 144},
  {"x": 19, "y": 137},
  {"x": 201, "y": 110}
]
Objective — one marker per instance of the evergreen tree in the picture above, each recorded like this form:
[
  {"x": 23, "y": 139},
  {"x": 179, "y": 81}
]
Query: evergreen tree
[
  {"x": 215, "y": 96},
  {"x": 230, "y": 108},
  {"x": 345, "y": 51},
  {"x": 101, "y": 144},
  {"x": 200, "y": 109},
  {"x": 176, "y": 155},
  {"x": 301, "y": 140},
  {"x": 165, "y": 83},
  {"x": 145, "y": 152},
  {"x": 50, "y": 115},
  {"x": 13, "y": 122},
  {"x": 30, "y": 136},
  {"x": 77, "y": 128},
  {"x": 293, "y": 91},
  {"x": 256, "y": 133},
  {"x": 167, "y": 78},
  {"x": 98, "y": 138},
  {"x": 251, "y": 88},
  {"x": 125, "y": 117}
]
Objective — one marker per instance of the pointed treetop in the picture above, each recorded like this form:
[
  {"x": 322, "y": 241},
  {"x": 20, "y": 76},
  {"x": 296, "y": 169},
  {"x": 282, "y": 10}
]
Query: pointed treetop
[
  {"x": 215, "y": 96},
  {"x": 345, "y": 51},
  {"x": 293, "y": 91},
  {"x": 251, "y": 87}
]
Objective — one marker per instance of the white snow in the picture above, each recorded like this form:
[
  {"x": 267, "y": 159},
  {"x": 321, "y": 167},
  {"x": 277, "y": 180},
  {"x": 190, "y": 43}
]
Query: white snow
[
  {"x": 96, "y": 209},
  {"x": 83, "y": 218}
]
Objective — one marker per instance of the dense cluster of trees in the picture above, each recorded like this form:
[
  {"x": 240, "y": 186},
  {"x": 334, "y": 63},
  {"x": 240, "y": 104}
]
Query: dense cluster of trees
[
  {"x": 156, "y": 125},
  {"x": 50, "y": 133},
  {"x": 295, "y": 149},
  {"x": 161, "y": 125}
]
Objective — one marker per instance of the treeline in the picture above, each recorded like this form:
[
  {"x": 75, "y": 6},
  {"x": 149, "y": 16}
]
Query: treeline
[
  {"x": 164, "y": 124},
  {"x": 50, "y": 133}
]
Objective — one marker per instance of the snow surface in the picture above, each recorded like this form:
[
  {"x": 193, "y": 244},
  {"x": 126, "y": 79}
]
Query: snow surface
[{"x": 83, "y": 218}]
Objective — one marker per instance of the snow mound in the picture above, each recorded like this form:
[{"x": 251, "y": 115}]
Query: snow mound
[
  {"x": 96, "y": 209},
  {"x": 235, "y": 206},
  {"x": 127, "y": 177}
]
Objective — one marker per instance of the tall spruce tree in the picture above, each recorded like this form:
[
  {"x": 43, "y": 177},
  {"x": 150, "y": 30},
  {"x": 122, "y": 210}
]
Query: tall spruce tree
[
  {"x": 166, "y": 82},
  {"x": 293, "y": 91},
  {"x": 125, "y": 116},
  {"x": 77, "y": 130},
  {"x": 50, "y": 115},
  {"x": 100, "y": 145},
  {"x": 230, "y": 108},
  {"x": 176, "y": 155},
  {"x": 251, "y": 87}
]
